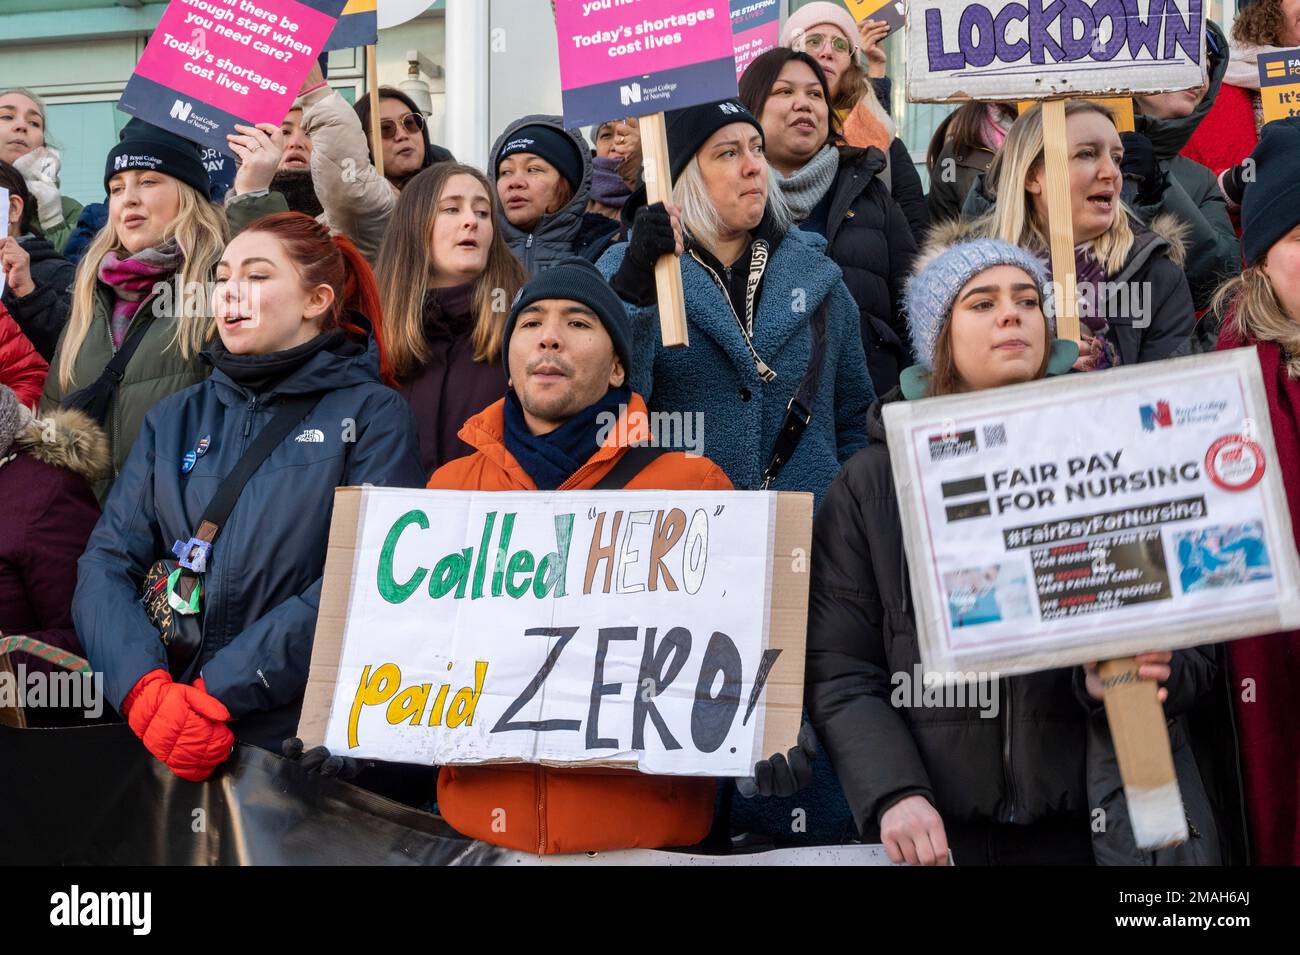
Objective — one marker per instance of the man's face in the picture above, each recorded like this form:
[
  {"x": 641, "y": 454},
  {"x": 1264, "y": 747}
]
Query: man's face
[{"x": 561, "y": 361}]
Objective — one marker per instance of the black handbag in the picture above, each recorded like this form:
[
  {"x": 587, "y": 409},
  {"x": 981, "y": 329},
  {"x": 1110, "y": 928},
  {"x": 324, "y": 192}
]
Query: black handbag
[{"x": 172, "y": 593}]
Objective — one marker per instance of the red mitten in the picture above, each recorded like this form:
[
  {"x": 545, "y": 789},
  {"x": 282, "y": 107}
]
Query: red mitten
[
  {"x": 183, "y": 726},
  {"x": 144, "y": 699}
]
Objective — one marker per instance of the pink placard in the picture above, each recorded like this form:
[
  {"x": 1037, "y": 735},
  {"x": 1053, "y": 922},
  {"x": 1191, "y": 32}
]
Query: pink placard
[
  {"x": 604, "y": 41},
  {"x": 245, "y": 57}
]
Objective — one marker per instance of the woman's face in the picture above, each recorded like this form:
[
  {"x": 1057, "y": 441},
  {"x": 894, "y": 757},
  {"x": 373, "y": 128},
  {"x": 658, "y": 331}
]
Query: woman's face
[
  {"x": 734, "y": 170},
  {"x": 796, "y": 117},
  {"x": 527, "y": 186},
  {"x": 142, "y": 205},
  {"x": 1282, "y": 266},
  {"x": 1290, "y": 32},
  {"x": 297, "y": 144},
  {"x": 1175, "y": 105},
  {"x": 404, "y": 152},
  {"x": 834, "y": 62},
  {"x": 259, "y": 300},
  {"x": 462, "y": 232},
  {"x": 1094, "y": 152},
  {"x": 998, "y": 335},
  {"x": 604, "y": 140},
  {"x": 22, "y": 127}
]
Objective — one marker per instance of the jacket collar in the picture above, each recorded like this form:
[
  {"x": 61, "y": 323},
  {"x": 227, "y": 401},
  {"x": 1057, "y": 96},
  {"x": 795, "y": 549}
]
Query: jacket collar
[
  {"x": 485, "y": 433},
  {"x": 912, "y": 381}
]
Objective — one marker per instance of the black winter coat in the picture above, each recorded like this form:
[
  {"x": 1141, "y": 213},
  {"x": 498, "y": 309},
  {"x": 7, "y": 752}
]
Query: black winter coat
[
  {"x": 42, "y": 314},
  {"x": 263, "y": 584},
  {"x": 1044, "y": 757},
  {"x": 869, "y": 238}
]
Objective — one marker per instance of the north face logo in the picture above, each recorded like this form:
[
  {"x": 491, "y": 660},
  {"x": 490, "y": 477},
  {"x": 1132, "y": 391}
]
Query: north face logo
[
  {"x": 181, "y": 110},
  {"x": 311, "y": 436}
]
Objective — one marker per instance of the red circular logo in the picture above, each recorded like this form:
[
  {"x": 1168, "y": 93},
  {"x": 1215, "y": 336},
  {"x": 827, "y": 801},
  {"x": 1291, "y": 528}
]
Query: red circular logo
[{"x": 1235, "y": 463}]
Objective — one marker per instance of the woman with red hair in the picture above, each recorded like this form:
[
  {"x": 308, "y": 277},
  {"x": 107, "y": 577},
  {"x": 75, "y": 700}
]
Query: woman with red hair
[{"x": 297, "y": 356}]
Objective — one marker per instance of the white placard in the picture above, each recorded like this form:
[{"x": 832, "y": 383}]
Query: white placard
[
  {"x": 1094, "y": 516},
  {"x": 1012, "y": 50},
  {"x": 655, "y": 629}
]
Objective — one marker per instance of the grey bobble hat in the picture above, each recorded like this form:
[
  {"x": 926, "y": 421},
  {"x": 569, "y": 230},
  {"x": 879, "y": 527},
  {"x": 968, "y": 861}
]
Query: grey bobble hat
[{"x": 937, "y": 280}]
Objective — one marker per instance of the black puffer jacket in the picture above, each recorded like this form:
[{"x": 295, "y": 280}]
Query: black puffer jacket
[
  {"x": 1045, "y": 756},
  {"x": 43, "y": 313},
  {"x": 869, "y": 239}
]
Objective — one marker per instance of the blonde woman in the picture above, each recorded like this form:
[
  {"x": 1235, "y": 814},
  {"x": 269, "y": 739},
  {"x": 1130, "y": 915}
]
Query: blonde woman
[
  {"x": 1134, "y": 301},
  {"x": 447, "y": 281},
  {"x": 142, "y": 281}
]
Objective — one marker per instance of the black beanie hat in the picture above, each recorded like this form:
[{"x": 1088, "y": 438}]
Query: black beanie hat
[
  {"x": 1270, "y": 207},
  {"x": 578, "y": 280},
  {"x": 690, "y": 128},
  {"x": 554, "y": 145},
  {"x": 144, "y": 146}
]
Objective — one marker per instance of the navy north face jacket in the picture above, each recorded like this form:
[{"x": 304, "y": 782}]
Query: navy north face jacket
[{"x": 263, "y": 583}]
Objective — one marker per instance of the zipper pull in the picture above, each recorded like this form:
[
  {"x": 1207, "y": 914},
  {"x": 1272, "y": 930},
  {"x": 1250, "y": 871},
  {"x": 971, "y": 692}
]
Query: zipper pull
[
  {"x": 529, "y": 243},
  {"x": 248, "y": 419}
]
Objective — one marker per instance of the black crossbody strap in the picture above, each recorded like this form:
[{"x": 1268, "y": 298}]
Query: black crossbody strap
[
  {"x": 634, "y": 460},
  {"x": 116, "y": 369},
  {"x": 287, "y": 416},
  {"x": 798, "y": 412}
]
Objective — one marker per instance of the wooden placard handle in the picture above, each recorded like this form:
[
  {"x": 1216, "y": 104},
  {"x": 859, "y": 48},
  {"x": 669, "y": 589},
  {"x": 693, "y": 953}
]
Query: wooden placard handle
[
  {"x": 1060, "y": 222},
  {"x": 668, "y": 271},
  {"x": 372, "y": 83},
  {"x": 1146, "y": 763}
]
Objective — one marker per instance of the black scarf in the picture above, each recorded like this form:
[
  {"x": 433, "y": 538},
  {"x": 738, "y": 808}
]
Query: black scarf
[
  {"x": 551, "y": 459},
  {"x": 258, "y": 373},
  {"x": 298, "y": 190},
  {"x": 449, "y": 312}
]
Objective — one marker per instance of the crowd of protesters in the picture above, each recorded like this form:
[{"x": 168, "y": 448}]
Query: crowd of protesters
[{"x": 475, "y": 325}]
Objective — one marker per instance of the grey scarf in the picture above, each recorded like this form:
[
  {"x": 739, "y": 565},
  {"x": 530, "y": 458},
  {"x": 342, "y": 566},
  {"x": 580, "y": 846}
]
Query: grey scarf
[{"x": 805, "y": 188}]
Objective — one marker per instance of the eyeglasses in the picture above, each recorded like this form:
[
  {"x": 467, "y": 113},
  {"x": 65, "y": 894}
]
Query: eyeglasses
[
  {"x": 813, "y": 42},
  {"x": 411, "y": 122}
]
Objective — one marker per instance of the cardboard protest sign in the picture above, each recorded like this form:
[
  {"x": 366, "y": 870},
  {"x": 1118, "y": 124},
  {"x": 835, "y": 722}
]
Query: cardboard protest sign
[
  {"x": 1279, "y": 84},
  {"x": 630, "y": 59},
  {"x": 889, "y": 11},
  {"x": 1007, "y": 50},
  {"x": 358, "y": 25},
  {"x": 213, "y": 63},
  {"x": 660, "y": 630},
  {"x": 755, "y": 29},
  {"x": 1094, "y": 516}
]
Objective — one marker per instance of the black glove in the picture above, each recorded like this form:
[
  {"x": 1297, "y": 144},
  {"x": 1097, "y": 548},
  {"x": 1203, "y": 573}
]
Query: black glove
[
  {"x": 1141, "y": 168},
  {"x": 783, "y": 774},
  {"x": 652, "y": 237},
  {"x": 319, "y": 760},
  {"x": 1234, "y": 183}
]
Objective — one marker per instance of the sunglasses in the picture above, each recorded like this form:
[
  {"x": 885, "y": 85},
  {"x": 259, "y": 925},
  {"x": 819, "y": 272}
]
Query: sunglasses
[
  {"x": 411, "y": 122},
  {"x": 815, "y": 41}
]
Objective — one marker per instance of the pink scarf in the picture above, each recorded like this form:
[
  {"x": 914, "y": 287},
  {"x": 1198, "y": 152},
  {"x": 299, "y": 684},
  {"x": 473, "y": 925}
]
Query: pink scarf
[{"x": 133, "y": 279}]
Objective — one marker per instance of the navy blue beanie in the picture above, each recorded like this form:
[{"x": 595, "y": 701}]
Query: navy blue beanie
[
  {"x": 1270, "y": 207},
  {"x": 145, "y": 146},
  {"x": 577, "y": 280},
  {"x": 554, "y": 145},
  {"x": 690, "y": 128}
]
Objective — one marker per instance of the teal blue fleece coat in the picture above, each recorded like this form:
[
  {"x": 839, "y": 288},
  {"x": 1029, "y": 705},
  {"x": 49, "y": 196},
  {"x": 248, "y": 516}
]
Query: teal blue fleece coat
[{"x": 716, "y": 374}]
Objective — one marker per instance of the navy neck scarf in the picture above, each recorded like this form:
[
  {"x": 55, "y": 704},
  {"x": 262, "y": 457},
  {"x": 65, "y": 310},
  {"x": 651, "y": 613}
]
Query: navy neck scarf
[{"x": 551, "y": 459}]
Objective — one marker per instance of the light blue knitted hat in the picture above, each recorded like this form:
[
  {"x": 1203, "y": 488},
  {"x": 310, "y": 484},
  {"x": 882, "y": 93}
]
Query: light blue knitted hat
[{"x": 937, "y": 280}]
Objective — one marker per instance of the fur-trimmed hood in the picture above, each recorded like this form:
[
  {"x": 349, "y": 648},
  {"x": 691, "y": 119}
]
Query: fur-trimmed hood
[
  {"x": 70, "y": 439},
  {"x": 1166, "y": 232}
]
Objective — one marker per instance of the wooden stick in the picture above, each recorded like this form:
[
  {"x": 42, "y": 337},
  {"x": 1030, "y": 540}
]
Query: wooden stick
[
  {"x": 1146, "y": 764},
  {"x": 372, "y": 82},
  {"x": 668, "y": 271},
  {"x": 1060, "y": 224}
]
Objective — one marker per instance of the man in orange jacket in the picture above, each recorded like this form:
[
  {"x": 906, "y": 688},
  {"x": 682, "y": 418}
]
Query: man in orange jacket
[{"x": 568, "y": 353}]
